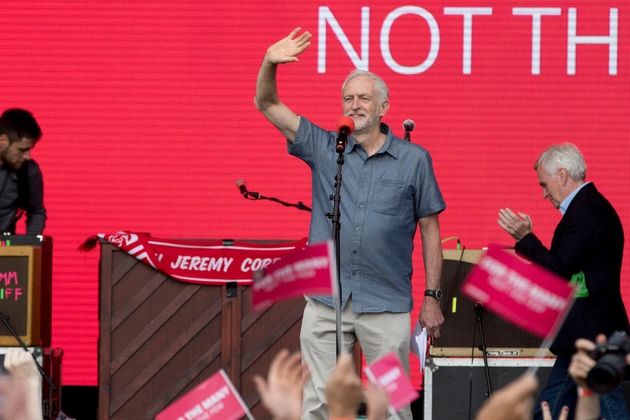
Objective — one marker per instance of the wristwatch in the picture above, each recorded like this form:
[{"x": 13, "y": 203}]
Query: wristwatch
[{"x": 434, "y": 293}]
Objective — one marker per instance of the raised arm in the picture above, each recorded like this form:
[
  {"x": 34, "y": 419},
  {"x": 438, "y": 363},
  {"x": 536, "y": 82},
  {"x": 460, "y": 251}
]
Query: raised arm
[{"x": 267, "y": 101}]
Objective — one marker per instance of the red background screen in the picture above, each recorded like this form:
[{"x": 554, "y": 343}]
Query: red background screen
[{"x": 148, "y": 116}]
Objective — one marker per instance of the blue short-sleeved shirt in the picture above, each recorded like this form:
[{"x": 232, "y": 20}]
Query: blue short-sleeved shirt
[{"x": 382, "y": 198}]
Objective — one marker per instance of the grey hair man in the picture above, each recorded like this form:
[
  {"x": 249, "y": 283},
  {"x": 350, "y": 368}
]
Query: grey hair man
[
  {"x": 389, "y": 189},
  {"x": 587, "y": 250}
]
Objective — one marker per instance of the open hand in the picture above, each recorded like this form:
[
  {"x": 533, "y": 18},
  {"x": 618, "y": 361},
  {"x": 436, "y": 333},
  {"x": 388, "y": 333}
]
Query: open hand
[
  {"x": 288, "y": 48},
  {"x": 343, "y": 388},
  {"x": 281, "y": 393},
  {"x": 516, "y": 225}
]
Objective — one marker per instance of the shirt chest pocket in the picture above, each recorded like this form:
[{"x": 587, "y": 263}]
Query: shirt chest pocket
[{"x": 388, "y": 197}]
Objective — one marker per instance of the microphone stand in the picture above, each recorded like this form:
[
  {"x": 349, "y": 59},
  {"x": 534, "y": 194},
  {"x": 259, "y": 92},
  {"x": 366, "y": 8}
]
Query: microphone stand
[
  {"x": 7, "y": 323},
  {"x": 484, "y": 350},
  {"x": 335, "y": 216},
  {"x": 250, "y": 195}
]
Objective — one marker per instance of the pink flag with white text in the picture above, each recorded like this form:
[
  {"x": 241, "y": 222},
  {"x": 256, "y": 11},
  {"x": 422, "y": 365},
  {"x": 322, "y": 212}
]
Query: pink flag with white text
[
  {"x": 389, "y": 373},
  {"x": 522, "y": 293},
  {"x": 215, "y": 398},
  {"x": 310, "y": 270}
]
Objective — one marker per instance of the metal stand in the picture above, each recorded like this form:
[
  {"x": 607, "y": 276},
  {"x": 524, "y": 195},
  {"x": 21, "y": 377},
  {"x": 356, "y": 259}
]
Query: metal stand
[
  {"x": 484, "y": 350},
  {"x": 336, "y": 234},
  {"x": 252, "y": 195},
  {"x": 7, "y": 323}
]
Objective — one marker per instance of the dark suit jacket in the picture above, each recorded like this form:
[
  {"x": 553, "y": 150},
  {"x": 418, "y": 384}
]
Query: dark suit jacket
[{"x": 588, "y": 239}]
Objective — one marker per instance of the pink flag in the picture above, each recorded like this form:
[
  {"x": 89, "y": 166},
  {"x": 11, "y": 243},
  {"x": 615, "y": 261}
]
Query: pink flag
[
  {"x": 215, "y": 398},
  {"x": 524, "y": 294},
  {"x": 389, "y": 374},
  {"x": 310, "y": 270}
]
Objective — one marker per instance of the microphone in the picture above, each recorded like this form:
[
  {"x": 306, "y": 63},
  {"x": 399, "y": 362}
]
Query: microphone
[
  {"x": 408, "y": 126},
  {"x": 240, "y": 183},
  {"x": 345, "y": 127}
]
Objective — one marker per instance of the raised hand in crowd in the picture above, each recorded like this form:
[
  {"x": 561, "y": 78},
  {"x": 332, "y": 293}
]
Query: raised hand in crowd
[
  {"x": 377, "y": 402},
  {"x": 343, "y": 389},
  {"x": 21, "y": 388},
  {"x": 546, "y": 411},
  {"x": 514, "y": 401},
  {"x": 281, "y": 392}
]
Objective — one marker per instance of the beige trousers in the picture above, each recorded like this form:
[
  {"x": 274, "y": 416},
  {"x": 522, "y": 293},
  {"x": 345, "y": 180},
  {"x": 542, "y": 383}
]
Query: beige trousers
[{"x": 378, "y": 334}]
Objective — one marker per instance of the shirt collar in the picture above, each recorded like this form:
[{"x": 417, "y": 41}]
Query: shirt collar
[
  {"x": 567, "y": 201},
  {"x": 390, "y": 146}
]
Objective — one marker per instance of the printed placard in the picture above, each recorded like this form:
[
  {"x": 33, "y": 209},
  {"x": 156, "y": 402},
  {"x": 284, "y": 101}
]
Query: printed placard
[
  {"x": 215, "y": 398},
  {"x": 524, "y": 294},
  {"x": 388, "y": 372},
  {"x": 310, "y": 270}
]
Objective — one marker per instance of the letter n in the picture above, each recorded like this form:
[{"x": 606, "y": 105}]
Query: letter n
[{"x": 326, "y": 17}]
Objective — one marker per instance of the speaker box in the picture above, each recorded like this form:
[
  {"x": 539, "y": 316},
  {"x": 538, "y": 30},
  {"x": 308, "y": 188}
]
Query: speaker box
[
  {"x": 456, "y": 387},
  {"x": 460, "y": 333},
  {"x": 26, "y": 290}
]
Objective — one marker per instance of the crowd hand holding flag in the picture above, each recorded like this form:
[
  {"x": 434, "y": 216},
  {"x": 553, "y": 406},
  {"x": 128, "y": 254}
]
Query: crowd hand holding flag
[
  {"x": 281, "y": 392},
  {"x": 344, "y": 393},
  {"x": 516, "y": 225},
  {"x": 343, "y": 389}
]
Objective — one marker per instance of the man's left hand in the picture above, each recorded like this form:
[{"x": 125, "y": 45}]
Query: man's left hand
[
  {"x": 431, "y": 316},
  {"x": 517, "y": 225}
]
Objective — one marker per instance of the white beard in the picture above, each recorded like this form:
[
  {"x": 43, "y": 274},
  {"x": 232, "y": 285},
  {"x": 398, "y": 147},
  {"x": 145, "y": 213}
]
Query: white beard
[{"x": 366, "y": 122}]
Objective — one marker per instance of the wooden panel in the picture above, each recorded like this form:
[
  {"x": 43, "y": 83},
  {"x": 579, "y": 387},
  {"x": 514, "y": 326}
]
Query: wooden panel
[
  {"x": 160, "y": 337},
  {"x": 263, "y": 334}
]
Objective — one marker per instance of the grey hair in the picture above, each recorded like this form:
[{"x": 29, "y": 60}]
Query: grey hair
[
  {"x": 566, "y": 156},
  {"x": 379, "y": 84}
]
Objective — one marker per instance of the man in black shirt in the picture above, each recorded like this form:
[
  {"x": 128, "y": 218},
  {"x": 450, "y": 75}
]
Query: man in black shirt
[{"x": 21, "y": 183}]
